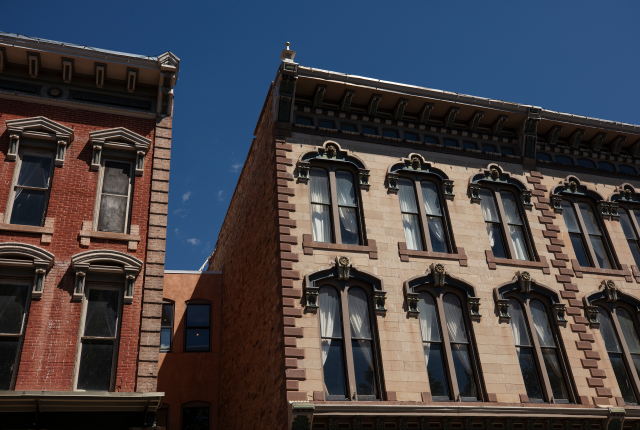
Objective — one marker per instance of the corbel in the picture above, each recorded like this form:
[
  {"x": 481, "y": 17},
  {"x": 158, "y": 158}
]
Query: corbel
[
  {"x": 412, "y": 303},
  {"x": 524, "y": 280},
  {"x": 363, "y": 176},
  {"x": 496, "y": 127},
  {"x": 448, "y": 189},
  {"x": 474, "y": 192},
  {"x": 14, "y": 145},
  {"x": 474, "y": 122},
  {"x": 610, "y": 289},
  {"x": 473, "y": 304},
  {"x": 553, "y": 135},
  {"x": 61, "y": 152},
  {"x": 132, "y": 78},
  {"x": 438, "y": 273},
  {"x": 303, "y": 171},
  {"x": 398, "y": 111},
  {"x": 604, "y": 208},
  {"x": 379, "y": 299},
  {"x": 311, "y": 298},
  {"x": 613, "y": 210},
  {"x": 165, "y": 92},
  {"x": 592, "y": 316},
  {"x": 450, "y": 117},
  {"x": 528, "y": 133},
  {"x": 392, "y": 181},
  {"x": 40, "y": 275},
  {"x": 33, "y": 60},
  {"x": 81, "y": 275},
  {"x": 556, "y": 202},
  {"x": 424, "y": 113},
  {"x": 616, "y": 144},
  {"x": 596, "y": 143},
  {"x": 130, "y": 282},
  {"x": 503, "y": 310},
  {"x": 526, "y": 199},
  {"x": 67, "y": 69},
  {"x": 140, "y": 163},
  {"x": 100, "y": 73},
  {"x": 343, "y": 265},
  {"x": 345, "y": 104},
  {"x": 635, "y": 149},
  {"x": 319, "y": 95},
  {"x": 96, "y": 157},
  {"x": 576, "y": 138},
  {"x": 559, "y": 309},
  {"x": 3, "y": 54},
  {"x": 372, "y": 108}
]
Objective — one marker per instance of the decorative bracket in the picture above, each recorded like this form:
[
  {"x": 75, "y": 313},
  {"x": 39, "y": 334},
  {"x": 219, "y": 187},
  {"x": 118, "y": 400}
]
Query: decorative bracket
[
  {"x": 503, "y": 310},
  {"x": 439, "y": 274},
  {"x": 448, "y": 189},
  {"x": 345, "y": 104},
  {"x": 526, "y": 198},
  {"x": 96, "y": 157},
  {"x": 40, "y": 276},
  {"x": 140, "y": 163},
  {"x": 319, "y": 95},
  {"x": 424, "y": 113},
  {"x": 596, "y": 143},
  {"x": 474, "y": 191},
  {"x": 81, "y": 274},
  {"x": 61, "y": 152},
  {"x": 363, "y": 176},
  {"x": 379, "y": 298},
  {"x": 473, "y": 304},
  {"x": 392, "y": 182},
  {"x": 496, "y": 128},
  {"x": 592, "y": 316},
  {"x": 474, "y": 122},
  {"x": 576, "y": 138},
  {"x": 528, "y": 133},
  {"x": 616, "y": 145},
  {"x": 372, "y": 108},
  {"x": 556, "y": 202},
  {"x": 553, "y": 134},
  {"x": 303, "y": 171},
  {"x": 398, "y": 112},
  {"x": 130, "y": 276},
  {"x": 560, "y": 310},
  {"x": 412, "y": 303},
  {"x": 450, "y": 117},
  {"x": 14, "y": 143}
]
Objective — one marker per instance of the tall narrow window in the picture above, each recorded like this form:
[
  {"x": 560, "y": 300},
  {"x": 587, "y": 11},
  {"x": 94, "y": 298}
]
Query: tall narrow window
[
  {"x": 589, "y": 243},
  {"x": 197, "y": 328},
  {"x": 347, "y": 208},
  {"x": 320, "y": 205},
  {"x": 449, "y": 359},
  {"x": 616, "y": 356},
  {"x": 348, "y": 351},
  {"x": 525, "y": 351},
  {"x": 422, "y": 212},
  {"x": 515, "y": 224},
  {"x": 13, "y": 311},
  {"x": 166, "y": 327},
  {"x": 630, "y": 235},
  {"x": 99, "y": 339},
  {"x": 630, "y": 335},
  {"x": 30, "y": 194},
  {"x": 115, "y": 197},
  {"x": 492, "y": 223}
]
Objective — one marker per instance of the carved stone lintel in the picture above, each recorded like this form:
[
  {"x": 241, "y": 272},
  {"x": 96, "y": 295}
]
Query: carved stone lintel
[
  {"x": 474, "y": 191},
  {"x": 303, "y": 171},
  {"x": 439, "y": 274},
  {"x": 592, "y": 316},
  {"x": 392, "y": 182},
  {"x": 503, "y": 310}
]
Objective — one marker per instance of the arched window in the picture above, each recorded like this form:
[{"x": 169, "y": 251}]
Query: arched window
[{"x": 349, "y": 357}]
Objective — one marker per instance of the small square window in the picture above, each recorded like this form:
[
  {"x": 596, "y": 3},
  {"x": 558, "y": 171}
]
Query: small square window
[
  {"x": 489, "y": 148},
  {"x": 370, "y": 130},
  {"x": 411, "y": 137},
  {"x": 348, "y": 127},
  {"x": 470, "y": 145},
  {"x": 451, "y": 143},
  {"x": 326, "y": 124},
  {"x": 390, "y": 133},
  {"x": 430, "y": 139},
  {"x": 303, "y": 121},
  {"x": 507, "y": 151}
]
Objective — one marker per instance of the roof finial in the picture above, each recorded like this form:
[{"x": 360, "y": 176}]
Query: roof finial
[
  {"x": 287, "y": 54},
  {"x": 288, "y": 44}
]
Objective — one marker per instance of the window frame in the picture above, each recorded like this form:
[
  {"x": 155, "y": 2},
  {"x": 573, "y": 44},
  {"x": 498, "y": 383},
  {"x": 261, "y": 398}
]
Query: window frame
[
  {"x": 417, "y": 179},
  {"x": 14, "y": 182},
  {"x": 186, "y": 327},
  {"x": 194, "y": 405},
  {"x": 543, "y": 377},
  {"x": 630, "y": 210},
  {"x": 342, "y": 288},
  {"x": 116, "y": 340},
  {"x": 331, "y": 168},
  {"x": 127, "y": 221},
  {"x": 438, "y": 293},
  {"x": 25, "y": 319},
  {"x": 167, "y": 302}
]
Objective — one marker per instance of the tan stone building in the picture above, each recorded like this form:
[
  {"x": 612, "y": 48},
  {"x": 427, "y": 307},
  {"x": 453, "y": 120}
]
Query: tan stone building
[{"x": 402, "y": 257}]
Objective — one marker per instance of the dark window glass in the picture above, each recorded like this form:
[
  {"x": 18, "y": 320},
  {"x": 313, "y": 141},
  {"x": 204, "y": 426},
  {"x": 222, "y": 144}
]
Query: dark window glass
[
  {"x": 8, "y": 352},
  {"x": 509, "y": 151},
  {"x": 626, "y": 169},
  {"x": 585, "y": 163},
  {"x": 459, "y": 346},
  {"x": 347, "y": 208},
  {"x": 492, "y": 223},
  {"x": 348, "y": 127},
  {"x": 370, "y": 130},
  {"x": 162, "y": 418},
  {"x": 630, "y": 235},
  {"x": 432, "y": 345},
  {"x": 541, "y": 156},
  {"x": 470, "y": 145},
  {"x": 331, "y": 334},
  {"x": 564, "y": 160},
  {"x": 411, "y": 137},
  {"x": 434, "y": 214},
  {"x": 361, "y": 342},
  {"x": 450, "y": 143},
  {"x": 114, "y": 200},
  {"x": 326, "y": 124},
  {"x": 430, "y": 139},
  {"x": 390, "y": 133},
  {"x": 303, "y": 121},
  {"x": 13, "y": 302},
  {"x": 29, "y": 204},
  {"x": 195, "y": 418},
  {"x": 575, "y": 233},
  {"x": 166, "y": 327},
  {"x": 96, "y": 362},
  {"x": 489, "y": 148},
  {"x": 606, "y": 166},
  {"x": 102, "y": 313},
  {"x": 197, "y": 326}
]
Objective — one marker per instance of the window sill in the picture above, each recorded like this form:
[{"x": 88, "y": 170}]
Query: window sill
[
  {"x": 308, "y": 245},
  {"x": 406, "y": 253},
  {"x": 46, "y": 231},
  {"x": 493, "y": 262},
  {"x": 579, "y": 270},
  {"x": 86, "y": 234}
]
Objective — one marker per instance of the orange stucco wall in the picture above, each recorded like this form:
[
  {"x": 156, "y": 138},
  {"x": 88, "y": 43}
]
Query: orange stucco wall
[{"x": 191, "y": 376}]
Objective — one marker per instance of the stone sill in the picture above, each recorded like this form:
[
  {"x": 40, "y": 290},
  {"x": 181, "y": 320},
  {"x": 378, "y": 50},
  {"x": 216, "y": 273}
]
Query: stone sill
[
  {"x": 405, "y": 253},
  {"x": 46, "y": 231},
  {"x": 579, "y": 270},
  {"x": 542, "y": 264},
  {"x": 308, "y": 245},
  {"x": 86, "y": 234}
]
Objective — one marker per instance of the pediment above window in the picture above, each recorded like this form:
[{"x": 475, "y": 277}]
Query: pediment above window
[
  {"x": 572, "y": 187},
  {"x": 40, "y": 128},
  {"x": 496, "y": 175},
  {"x": 523, "y": 284},
  {"x": 624, "y": 193},
  {"x": 15, "y": 255},
  {"x": 415, "y": 163},
  {"x": 119, "y": 139},
  {"x": 331, "y": 151}
]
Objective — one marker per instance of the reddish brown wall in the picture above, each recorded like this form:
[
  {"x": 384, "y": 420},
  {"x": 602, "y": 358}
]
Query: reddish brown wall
[{"x": 191, "y": 376}]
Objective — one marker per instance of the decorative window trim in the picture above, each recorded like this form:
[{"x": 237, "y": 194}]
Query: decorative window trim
[
  {"x": 109, "y": 261},
  {"x": 119, "y": 139},
  {"x": 40, "y": 128},
  {"x": 494, "y": 174},
  {"x": 625, "y": 194},
  {"x": 331, "y": 151},
  {"x": 29, "y": 256},
  {"x": 46, "y": 232},
  {"x": 415, "y": 163}
]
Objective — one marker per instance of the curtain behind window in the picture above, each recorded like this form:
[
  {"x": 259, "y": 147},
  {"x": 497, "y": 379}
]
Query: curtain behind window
[
  {"x": 541, "y": 322},
  {"x": 320, "y": 211},
  {"x": 329, "y": 304}
]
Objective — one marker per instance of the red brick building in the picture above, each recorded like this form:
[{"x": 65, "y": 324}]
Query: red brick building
[{"x": 85, "y": 140}]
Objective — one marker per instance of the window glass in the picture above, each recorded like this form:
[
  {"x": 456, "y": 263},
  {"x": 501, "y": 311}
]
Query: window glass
[
  {"x": 492, "y": 223},
  {"x": 434, "y": 216},
  {"x": 166, "y": 327},
  {"x": 326, "y": 124},
  {"x": 470, "y": 145},
  {"x": 630, "y": 335},
  {"x": 13, "y": 299},
  {"x": 432, "y": 346},
  {"x": 630, "y": 235},
  {"x": 614, "y": 351},
  {"x": 586, "y": 163},
  {"x": 626, "y": 169},
  {"x": 459, "y": 346},
  {"x": 197, "y": 328},
  {"x": 606, "y": 166},
  {"x": 541, "y": 156},
  {"x": 30, "y": 192},
  {"x": 595, "y": 236},
  {"x": 515, "y": 224},
  {"x": 348, "y": 127},
  {"x": 390, "y": 133},
  {"x": 571, "y": 221},
  {"x": 489, "y": 148},
  {"x": 450, "y": 143},
  {"x": 410, "y": 214},
  {"x": 102, "y": 313},
  {"x": 508, "y": 151},
  {"x": 411, "y": 137},
  {"x": 369, "y": 130},
  {"x": 347, "y": 208},
  {"x": 303, "y": 121},
  {"x": 430, "y": 139},
  {"x": 320, "y": 205},
  {"x": 114, "y": 200},
  {"x": 362, "y": 342},
  {"x": 564, "y": 160},
  {"x": 195, "y": 418},
  {"x": 524, "y": 350},
  {"x": 96, "y": 361},
  {"x": 331, "y": 333}
]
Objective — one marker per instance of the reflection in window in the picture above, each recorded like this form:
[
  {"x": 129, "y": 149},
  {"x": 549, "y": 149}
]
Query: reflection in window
[
  {"x": 492, "y": 223},
  {"x": 115, "y": 197},
  {"x": 362, "y": 342},
  {"x": 564, "y": 160},
  {"x": 585, "y": 163},
  {"x": 320, "y": 205},
  {"x": 303, "y": 121},
  {"x": 541, "y": 156},
  {"x": 410, "y": 214},
  {"x": 612, "y": 344},
  {"x": 582, "y": 229},
  {"x": 197, "y": 328},
  {"x": 195, "y": 418},
  {"x": 347, "y": 208},
  {"x": 450, "y": 143},
  {"x": 470, "y": 145},
  {"x": 525, "y": 350},
  {"x": 630, "y": 235},
  {"x": 166, "y": 327},
  {"x": 489, "y": 148},
  {"x": 31, "y": 190},
  {"x": 332, "y": 345},
  {"x": 348, "y": 127},
  {"x": 13, "y": 308}
]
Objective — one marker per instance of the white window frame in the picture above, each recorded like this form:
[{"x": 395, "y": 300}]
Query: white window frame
[
  {"x": 16, "y": 174},
  {"x": 96, "y": 211},
  {"x": 116, "y": 340},
  {"x": 25, "y": 316}
]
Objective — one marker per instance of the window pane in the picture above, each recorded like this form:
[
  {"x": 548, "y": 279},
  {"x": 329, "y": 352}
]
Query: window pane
[
  {"x": 116, "y": 178},
  {"x": 564, "y": 160},
  {"x": 8, "y": 351},
  {"x": 113, "y": 213},
  {"x": 589, "y": 219},
  {"x": 407, "y": 196},
  {"x": 470, "y": 145},
  {"x": 167, "y": 316},
  {"x": 198, "y": 315},
  {"x": 541, "y": 156},
  {"x": 332, "y": 367},
  {"x": 165, "y": 339},
  {"x": 586, "y": 163},
  {"x": 627, "y": 169},
  {"x": 13, "y": 299},
  {"x": 428, "y": 318},
  {"x": 606, "y": 166},
  {"x": 359, "y": 314},
  {"x": 601, "y": 254},
  {"x": 488, "y": 205},
  {"x": 412, "y": 232},
  {"x": 627, "y": 228},
  {"x": 411, "y": 137},
  {"x": 507, "y": 151},
  {"x": 35, "y": 171},
  {"x": 570, "y": 219},
  {"x": 541, "y": 323},
  {"x": 363, "y": 367},
  {"x": 329, "y": 303},
  {"x": 326, "y": 124},
  {"x": 579, "y": 249},
  {"x": 455, "y": 321},
  {"x": 430, "y": 139},
  {"x": 608, "y": 332},
  {"x": 348, "y": 127},
  {"x": 321, "y": 222},
  {"x": 511, "y": 210},
  {"x": 622, "y": 377},
  {"x": 628, "y": 330},
  {"x": 195, "y": 419},
  {"x": 370, "y": 130},
  {"x": 519, "y": 245},
  {"x": 197, "y": 340},
  {"x": 436, "y": 234},
  {"x": 435, "y": 370},
  {"x": 450, "y": 143},
  {"x": 430, "y": 197},
  {"x": 390, "y": 133},
  {"x": 96, "y": 359},
  {"x": 529, "y": 373},
  {"x": 303, "y": 121},
  {"x": 554, "y": 373},
  {"x": 349, "y": 226},
  {"x": 102, "y": 313},
  {"x": 28, "y": 207},
  {"x": 495, "y": 239},
  {"x": 319, "y": 186},
  {"x": 464, "y": 372},
  {"x": 518, "y": 324},
  {"x": 489, "y": 148},
  {"x": 636, "y": 362},
  {"x": 635, "y": 251},
  {"x": 346, "y": 190}
]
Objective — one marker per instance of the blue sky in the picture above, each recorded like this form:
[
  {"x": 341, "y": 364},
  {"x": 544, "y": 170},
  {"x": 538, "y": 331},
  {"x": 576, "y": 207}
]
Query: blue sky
[{"x": 581, "y": 57}]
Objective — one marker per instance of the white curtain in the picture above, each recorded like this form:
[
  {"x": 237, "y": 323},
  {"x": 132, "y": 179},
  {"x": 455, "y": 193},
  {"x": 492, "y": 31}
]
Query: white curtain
[
  {"x": 435, "y": 228},
  {"x": 625, "y": 222},
  {"x": 601, "y": 254},
  {"x": 349, "y": 220},
  {"x": 12, "y": 302},
  {"x": 430, "y": 197},
  {"x": 428, "y": 323},
  {"x": 488, "y": 205},
  {"x": 541, "y": 321},
  {"x": 412, "y": 232},
  {"x": 511, "y": 208},
  {"x": 519, "y": 246},
  {"x": 455, "y": 322},
  {"x": 569, "y": 216},
  {"x": 518, "y": 325},
  {"x": 346, "y": 190},
  {"x": 360, "y": 322},
  {"x": 490, "y": 232},
  {"x": 319, "y": 186},
  {"x": 34, "y": 172},
  {"x": 589, "y": 219},
  {"x": 462, "y": 352},
  {"x": 553, "y": 369},
  {"x": 628, "y": 330},
  {"x": 407, "y": 196},
  {"x": 329, "y": 303},
  {"x": 321, "y": 223},
  {"x": 608, "y": 332}
]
